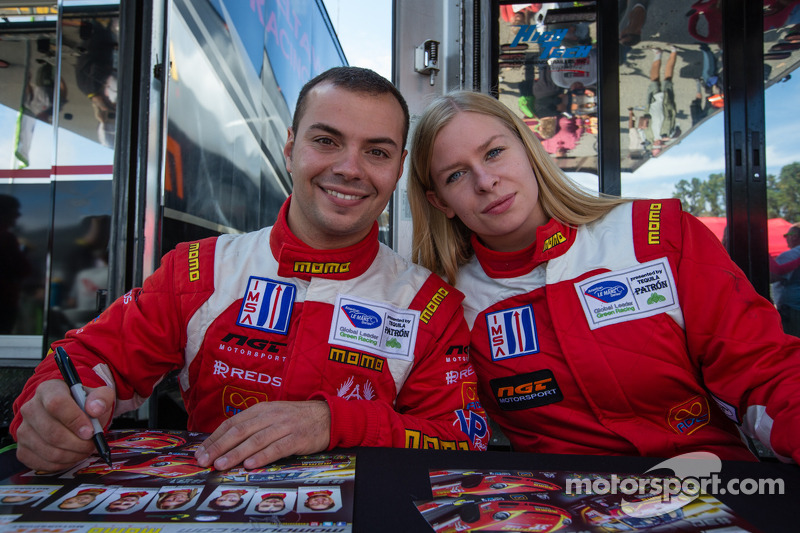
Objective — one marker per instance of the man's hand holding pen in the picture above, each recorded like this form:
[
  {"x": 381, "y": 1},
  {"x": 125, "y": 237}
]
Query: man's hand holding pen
[{"x": 55, "y": 431}]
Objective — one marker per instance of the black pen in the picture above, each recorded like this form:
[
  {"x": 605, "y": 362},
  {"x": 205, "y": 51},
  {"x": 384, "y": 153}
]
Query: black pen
[{"x": 79, "y": 393}]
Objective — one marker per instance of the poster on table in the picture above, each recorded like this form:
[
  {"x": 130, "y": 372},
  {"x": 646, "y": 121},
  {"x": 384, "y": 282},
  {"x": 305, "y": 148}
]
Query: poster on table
[
  {"x": 569, "y": 502},
  {"x": 154, "y": 485}
]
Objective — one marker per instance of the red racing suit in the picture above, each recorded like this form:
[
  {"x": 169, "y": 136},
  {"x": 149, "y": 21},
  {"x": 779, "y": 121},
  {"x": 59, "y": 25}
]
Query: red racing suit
[
  {"x": 261, "y": 317},
  {"x": 633, "y": 335}
]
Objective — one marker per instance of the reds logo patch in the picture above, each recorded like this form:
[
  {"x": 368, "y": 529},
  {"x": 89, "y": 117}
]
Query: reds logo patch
[
  {"x": 267, "y": 305},
  {"x": 689, "y": 416}
]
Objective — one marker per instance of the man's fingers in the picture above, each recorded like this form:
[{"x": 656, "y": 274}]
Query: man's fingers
[
  {"x": 100, "y": 403},
  {"x": 226, "y": 437},
  {"x": 58, "y": 403},
  {"x": 267, "y": 432},
  {"x": 55, "y": 433},
  {"x": 40, "y": 454}
]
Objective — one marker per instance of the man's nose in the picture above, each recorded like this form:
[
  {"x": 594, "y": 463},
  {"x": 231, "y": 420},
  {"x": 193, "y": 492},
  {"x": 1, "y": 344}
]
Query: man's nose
[{"x": 348, "y": 164}]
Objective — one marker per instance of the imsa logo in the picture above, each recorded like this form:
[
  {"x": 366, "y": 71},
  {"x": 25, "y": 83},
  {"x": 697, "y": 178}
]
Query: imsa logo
[
  {"x": 267, "y": 305},
  {"x": 512, "y": 333}
]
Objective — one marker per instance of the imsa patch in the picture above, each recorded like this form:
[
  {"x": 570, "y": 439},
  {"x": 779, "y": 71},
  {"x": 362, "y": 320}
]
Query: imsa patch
[{"x": 267, "y": 305}]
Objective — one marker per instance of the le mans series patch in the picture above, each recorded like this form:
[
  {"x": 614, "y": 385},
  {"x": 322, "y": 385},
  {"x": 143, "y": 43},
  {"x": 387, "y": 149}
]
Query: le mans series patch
[
  {"x": 525, "y": 391},
  {"x": 512, "y": 332},
  {"x": 376, "y": 327},
  {"x": 267, "y": 305},
  {"x": 622, "y": 295}
]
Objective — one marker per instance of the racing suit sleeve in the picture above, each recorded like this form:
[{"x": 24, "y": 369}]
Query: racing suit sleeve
[
  {"x": 750, "y": 366},
  {"x": 437, "y": 405},
  {"x": 130, "y": 347}
]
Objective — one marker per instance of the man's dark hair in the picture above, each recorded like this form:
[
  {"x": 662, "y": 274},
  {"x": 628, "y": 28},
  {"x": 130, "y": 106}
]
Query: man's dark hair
[{"x": 354, "y": 79}]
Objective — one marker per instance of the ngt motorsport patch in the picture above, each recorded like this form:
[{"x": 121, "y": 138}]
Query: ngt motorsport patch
[
  {"x": 375, "y": 327},
  {"x": 638, "y": 292},
  {"x": 525, "y": 391}
]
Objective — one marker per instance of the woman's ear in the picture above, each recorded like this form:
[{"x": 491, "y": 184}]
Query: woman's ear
[{"x": 437, "y": 202}]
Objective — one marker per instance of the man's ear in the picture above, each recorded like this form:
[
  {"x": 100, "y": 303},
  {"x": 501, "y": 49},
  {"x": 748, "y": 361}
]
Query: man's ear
[
  {"x": 437, "y": 202},
  {"x": 287, "y": 150}
]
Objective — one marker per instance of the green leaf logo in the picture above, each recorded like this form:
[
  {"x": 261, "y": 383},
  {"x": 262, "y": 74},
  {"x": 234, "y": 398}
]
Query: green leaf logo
[
  {"x": 655, "y": 298},
  {"x": 393, "y": 343}
]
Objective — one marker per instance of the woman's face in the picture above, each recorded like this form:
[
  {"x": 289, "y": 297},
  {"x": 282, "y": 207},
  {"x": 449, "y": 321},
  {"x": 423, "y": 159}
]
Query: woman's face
[{"x": 481, "y": 174}]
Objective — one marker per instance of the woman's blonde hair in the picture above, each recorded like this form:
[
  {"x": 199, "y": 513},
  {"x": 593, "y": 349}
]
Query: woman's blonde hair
[{"x": 442, "y": 244}]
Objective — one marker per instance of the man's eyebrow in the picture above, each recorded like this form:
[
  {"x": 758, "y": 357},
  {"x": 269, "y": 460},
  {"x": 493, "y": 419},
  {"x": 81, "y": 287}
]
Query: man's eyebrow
[{"x": 333, "y": 131}]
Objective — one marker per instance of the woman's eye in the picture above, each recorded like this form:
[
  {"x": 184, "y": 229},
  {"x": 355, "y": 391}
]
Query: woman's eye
[
  {"x": 454, "y": 176},
  {"x": 494, "y": 153}
]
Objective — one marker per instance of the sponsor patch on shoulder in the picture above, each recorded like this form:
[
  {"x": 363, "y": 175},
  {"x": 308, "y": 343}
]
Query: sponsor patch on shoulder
[
  {"x": 512, "y": 332},
  {"x": 375, "y": 327},
  {"x": 267, "y": 305},
  {"x": 642, "y": 291}
]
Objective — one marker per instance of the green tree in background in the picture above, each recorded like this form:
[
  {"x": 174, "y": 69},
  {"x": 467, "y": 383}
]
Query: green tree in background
[
  {"x": 702, "y": 198},
  {"x": 706, "y": 198},
  {"x": 783, "y": 194}
]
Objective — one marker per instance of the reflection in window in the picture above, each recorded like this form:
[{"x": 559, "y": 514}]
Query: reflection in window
[
  {"x": 671, "y": 79},
  {"x": 547, "y": 73},
  {"x": 781, "y": 58}
]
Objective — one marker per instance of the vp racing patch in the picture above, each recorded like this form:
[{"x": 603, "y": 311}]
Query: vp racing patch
[
  {"x": 525, "y": 391},
  {"x": 267, "y": 305},
  {"x": 622, "y": 295}
]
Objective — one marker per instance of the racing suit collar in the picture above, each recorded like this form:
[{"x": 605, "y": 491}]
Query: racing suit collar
[
  {"x": 552, "y": 240},
  {"x": 298, "y": 260}
]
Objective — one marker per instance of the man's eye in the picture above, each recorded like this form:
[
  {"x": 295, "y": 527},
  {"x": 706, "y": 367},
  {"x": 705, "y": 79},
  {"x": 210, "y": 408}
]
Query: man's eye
[{"x": 378, "y": 152}]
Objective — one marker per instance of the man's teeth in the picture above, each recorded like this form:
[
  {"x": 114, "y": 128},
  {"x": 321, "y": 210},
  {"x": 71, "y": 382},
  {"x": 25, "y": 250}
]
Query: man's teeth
[{"x": 342, "y": 196}]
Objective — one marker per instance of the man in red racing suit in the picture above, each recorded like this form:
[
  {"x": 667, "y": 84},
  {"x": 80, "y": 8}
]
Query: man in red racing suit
[
  {"x": 284, "y": 347},
  {"x": 297, "y": 324},
  {"x": 632, "y": 335}
]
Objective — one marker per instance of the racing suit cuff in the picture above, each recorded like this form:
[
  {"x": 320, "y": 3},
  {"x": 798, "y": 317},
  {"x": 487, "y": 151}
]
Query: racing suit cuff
[{"x": 351, "y": 422}]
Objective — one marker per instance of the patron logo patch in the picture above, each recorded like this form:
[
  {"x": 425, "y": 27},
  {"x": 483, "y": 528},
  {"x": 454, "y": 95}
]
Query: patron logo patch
[
  {"x": 375, "y": 327},
  {"x": 267, "y": 305},
  {"x": 525, "y": 391},
  {"x": 512, "y": 333},
  {"x": 630, "y": 294}
]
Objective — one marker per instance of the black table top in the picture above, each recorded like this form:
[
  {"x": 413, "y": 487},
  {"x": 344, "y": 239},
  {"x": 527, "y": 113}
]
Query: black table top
[{"x": 388, "y": 481}]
